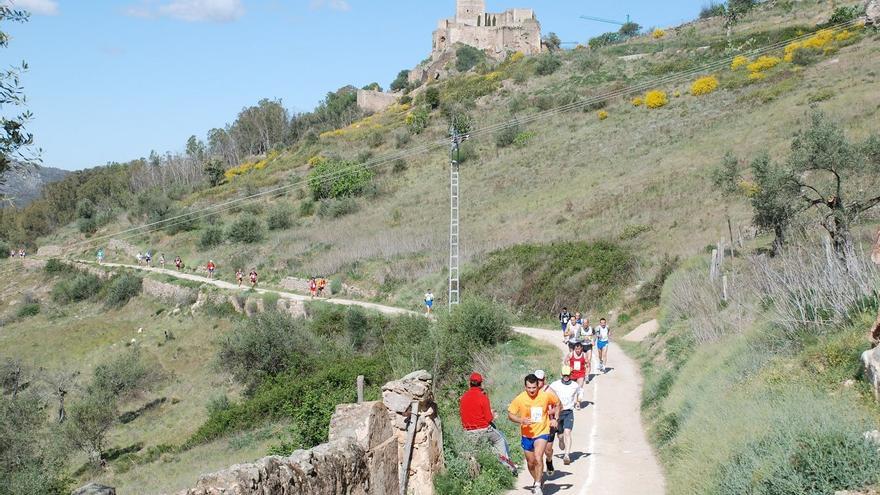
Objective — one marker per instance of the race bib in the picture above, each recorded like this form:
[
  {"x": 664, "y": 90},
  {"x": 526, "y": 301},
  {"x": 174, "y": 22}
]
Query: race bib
[
  {"x": 537, "y": 413},
  {"x": 577, "y": 365}
]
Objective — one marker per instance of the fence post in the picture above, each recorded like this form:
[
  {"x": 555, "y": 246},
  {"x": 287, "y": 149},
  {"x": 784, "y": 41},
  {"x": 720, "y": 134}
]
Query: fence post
[
  {"x": 713, "y": 266},
  {"x": 360, "y": 389},
  {"x": 724, "y": 288},
  {"x": 408, "y": 447}
]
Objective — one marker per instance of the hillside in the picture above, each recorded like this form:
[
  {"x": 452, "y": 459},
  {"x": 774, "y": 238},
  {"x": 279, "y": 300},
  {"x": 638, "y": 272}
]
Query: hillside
[
  {"x": 582, "y": 185},
  {"x": 25, "y": 184}
]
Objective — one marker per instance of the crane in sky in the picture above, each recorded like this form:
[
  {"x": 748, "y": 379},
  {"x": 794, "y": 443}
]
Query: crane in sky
[{"x": 607, "y": 21}]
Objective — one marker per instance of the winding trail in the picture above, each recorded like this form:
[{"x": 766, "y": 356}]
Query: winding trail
[{"x": 610, "y": 452}]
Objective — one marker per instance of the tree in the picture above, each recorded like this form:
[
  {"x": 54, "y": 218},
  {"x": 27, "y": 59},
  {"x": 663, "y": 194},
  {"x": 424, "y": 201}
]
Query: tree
[
  {"x": 88, "y": 422},
  {"x": 196, "y": 149},
  {"x": 629, "y": 29},
  {"x": 14, "y": 138},
  {"x": 374, "y": 86},
  {"x": 401, "y": 82},
  {"x": 214, "y": 171},
  {"x": 833, "y": 177},
  {"x": 31, "y": 461},
  {"x": 466, "y": 57},
  {"x": 552, "y": 42}
]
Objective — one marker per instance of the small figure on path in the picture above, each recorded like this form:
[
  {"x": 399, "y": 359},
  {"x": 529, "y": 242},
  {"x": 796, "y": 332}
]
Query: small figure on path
[
  {"x": 239, "y": 276},
  {"x": 139, "y": 258},
  {"x": 572, "y": 333},
  {"x": 429, "y": 301},
  {"x": 313, "y": 286},
  {"x": 22, "y": 253},
  {"x": 162, "y": 260},
  {"x": 532, "y": 410},
  {"x": 477, "y": 419},
  {"x": 100, "y": 255},
  {"x": 604, "y": 338},
  {"x": 148, "y": 258},
  {"x": 577, "y": 361},
  {"x": 178, "y": 263},
  {"x": 253, "y": 276},
  {"x": 322, "y": 282},
  {"x": 566, "y": 390},
  {"x": 564, "y": 316},
  {"x": 211, "y": 267}
]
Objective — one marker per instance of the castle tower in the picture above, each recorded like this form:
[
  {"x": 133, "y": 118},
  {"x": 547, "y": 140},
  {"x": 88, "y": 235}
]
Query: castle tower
[{"x": 467, "y": 11}]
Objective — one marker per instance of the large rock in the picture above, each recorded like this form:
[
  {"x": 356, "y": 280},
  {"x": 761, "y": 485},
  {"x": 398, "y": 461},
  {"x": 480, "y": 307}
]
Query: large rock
[
  {"x": 95, "y": 489},
  {"x": 871, "y": 362},
  {"x": 872, "y": 14}
]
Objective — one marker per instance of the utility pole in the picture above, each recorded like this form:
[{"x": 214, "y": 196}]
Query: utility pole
[{"x": 454, "y": 287}]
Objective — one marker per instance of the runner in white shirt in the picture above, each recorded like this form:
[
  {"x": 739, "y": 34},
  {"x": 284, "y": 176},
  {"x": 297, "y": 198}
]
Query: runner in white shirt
[
  {"x": 586, "y": 338},
  {"x": 604, "y": 338},
  {"x": 567, "y": 390},
  {"x": 572, "y": 333}
]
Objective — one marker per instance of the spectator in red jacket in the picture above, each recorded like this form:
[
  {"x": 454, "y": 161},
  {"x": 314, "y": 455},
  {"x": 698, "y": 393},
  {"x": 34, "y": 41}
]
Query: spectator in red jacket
[{"x": 477, "y": 419}]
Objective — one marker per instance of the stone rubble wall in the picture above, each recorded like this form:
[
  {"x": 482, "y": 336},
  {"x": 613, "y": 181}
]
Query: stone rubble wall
[
  {"x": 374, "y": 101},
  {"x": 362, "y": 457}
]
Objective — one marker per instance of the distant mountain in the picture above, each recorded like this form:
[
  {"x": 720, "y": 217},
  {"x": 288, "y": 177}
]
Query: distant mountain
[{"x": 25, "y": 183}]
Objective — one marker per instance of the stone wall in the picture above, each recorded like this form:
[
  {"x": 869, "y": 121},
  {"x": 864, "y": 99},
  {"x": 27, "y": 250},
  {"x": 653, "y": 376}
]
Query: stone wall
[
  {"x": 374, "y": 101},
  {"x": 362, "y": 457}
]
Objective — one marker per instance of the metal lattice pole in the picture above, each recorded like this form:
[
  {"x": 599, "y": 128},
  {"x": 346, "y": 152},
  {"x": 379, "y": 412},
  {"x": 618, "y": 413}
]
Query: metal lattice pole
[{"x": 454, "y": 292}]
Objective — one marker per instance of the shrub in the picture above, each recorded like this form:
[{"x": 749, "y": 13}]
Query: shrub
[
  {"x": 704, "y": 85},
  {"x": 741, "y": 6},
  {"x": 757, "y": 76},
  {"x": 335, "y": 286},
  {"x": 466, "y": 57},
  {"x": 121, "y": 288},
  {"x": 247, "y": 229},
  {"x": 85, "y": 208},
  {"x": 658, "y": 33},
  {"x": 335, "y": 208},
  {"x": 656, "y": 99},
  {"x": 375, "y": 139},
  {"x": 401, "y": 138},
  {"x": 605, "y": 39},
  {"x": 218, "y": 404},
  {"x": 506, "y": 136},
  {"x": 522, "y": 139},
  {"x": 124, "y": 376},
  {"x": 548, "y": 63},
  {"x": 339, "y": 179},
  {"x": 280, "y": 218},
  {"x": 186, "y": 223},
  {"x": 602, "y": 114},
  {"x": 55, "y": 266},
  {"x": 845, "y": 14},
  {"x": 28, "y": 310},
  {"x": 806, "y": 56},
  {"x": 307, "y": 208},
  {"x": 629, "y": 29},
  {"x": 211, "y": 237},
  {"x": 79, "y": 287},
  {"x": 762, "y": 63},
  {"x": 87, "y": 225},
  {"x": 712, "y": 9},
  {"x": 649, "y": 293},
  {"x": 739, "y": 61},
  {"x": 417, "y": 120},
  {"x": 399, "y": 166},
  {"x": 481, "y": 321},
  {"x": 432, "y": 97},
  {"x": 401, "y": 82},
  {"x": 637, "y": 101}
]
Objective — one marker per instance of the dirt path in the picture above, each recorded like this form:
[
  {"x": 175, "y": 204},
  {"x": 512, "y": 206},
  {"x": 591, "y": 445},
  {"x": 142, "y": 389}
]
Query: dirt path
[
  {"x": 228, "y": 285},
  {"x": 642, "y": 331},
  {"x": 610, "y": 453}
]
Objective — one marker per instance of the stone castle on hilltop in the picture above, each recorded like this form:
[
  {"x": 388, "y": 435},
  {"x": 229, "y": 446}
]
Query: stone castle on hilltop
[{"x": 510, "y": 31}]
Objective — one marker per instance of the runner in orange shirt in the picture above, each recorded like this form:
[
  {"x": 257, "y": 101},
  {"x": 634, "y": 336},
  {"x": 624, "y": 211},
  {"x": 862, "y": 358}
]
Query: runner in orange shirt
[{"x": 533, "y": 410}]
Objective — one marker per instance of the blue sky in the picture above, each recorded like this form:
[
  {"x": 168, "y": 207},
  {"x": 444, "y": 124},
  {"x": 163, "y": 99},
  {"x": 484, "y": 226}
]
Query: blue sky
[{"x": 112, "y": 80}]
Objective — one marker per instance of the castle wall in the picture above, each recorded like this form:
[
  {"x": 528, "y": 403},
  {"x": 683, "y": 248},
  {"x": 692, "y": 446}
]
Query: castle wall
[{"x": 374, "y": 101}]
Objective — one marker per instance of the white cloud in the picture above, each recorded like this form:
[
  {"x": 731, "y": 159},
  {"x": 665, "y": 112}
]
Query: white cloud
[
  {"x": 38, "y": 7},
  {"x": 190, "y": 10},
  {"x": 340, "y": 5}
]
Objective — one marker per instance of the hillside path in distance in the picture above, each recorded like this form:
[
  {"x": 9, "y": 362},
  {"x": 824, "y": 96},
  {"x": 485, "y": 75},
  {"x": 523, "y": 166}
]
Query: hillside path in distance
[
  {"x": 643, "y": 331},
  {"x": 610, "y": 452}
]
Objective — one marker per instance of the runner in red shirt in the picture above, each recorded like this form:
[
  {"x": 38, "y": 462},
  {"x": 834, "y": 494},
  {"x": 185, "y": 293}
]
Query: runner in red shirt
[
  {"x": 477, "y": 417},
  {"x": 211, "y": 267},
  {"x": 313, "y": 287},
  {"x": 577, "y": 361},
  {"x": 253, "y": 276}
]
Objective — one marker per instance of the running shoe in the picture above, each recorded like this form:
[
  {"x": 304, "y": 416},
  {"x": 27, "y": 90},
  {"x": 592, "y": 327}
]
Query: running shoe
[
  {"x": 537, "y": 490},
  {"x": 566, "y": 460},
  {"x": 509, "y": 464},
  {"x": 550, "y": 469}
]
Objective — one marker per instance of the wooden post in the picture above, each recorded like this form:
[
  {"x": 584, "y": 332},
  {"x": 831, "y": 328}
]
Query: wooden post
[
  {"x": 724, "y": 288},
  {"x": 360, "y": 388},
  {"x": 713, "y": 266},
  {"x": 408, "y": 447}
]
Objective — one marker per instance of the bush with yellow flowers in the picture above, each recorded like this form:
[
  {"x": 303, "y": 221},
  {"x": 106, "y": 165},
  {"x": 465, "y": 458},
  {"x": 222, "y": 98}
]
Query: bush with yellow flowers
[
  {"x": 516, "y": 57},
  {"x": 764, "y": 62},
  {"x": 656, "y": 99},
  {"x": 316, "y": 160},
  {"x": 602, "y": 114},
  {"x": 843, "y": 35},
  {"x": 658, "y": 33},
  {"x": 637, "y": 101},
  {"x": 704, "y": 85},
  {"x": 739, "y": 61},
  {"x": 757, "y": 76},
  {"x": 818, "y": 41}
]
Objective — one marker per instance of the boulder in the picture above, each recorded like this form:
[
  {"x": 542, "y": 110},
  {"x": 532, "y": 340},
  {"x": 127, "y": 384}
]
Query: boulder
[
  {"x": 95, "y": 489},
  {"x": 871, "y": 363},
  {"x": 872, "y": 18}
]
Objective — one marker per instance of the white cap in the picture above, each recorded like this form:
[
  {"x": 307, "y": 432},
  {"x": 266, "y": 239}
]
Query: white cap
[{"x": 540, "y": 374}]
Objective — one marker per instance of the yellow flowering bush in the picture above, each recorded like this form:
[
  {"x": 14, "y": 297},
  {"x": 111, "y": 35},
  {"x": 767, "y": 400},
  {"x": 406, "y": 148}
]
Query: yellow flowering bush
[
  {"x": 516, "y": 57},
  {"x": 602, "y": 114},
  {"x": 658, "y": 33},
  {"x": 677, "y": 93},
  {"x": 247, "y": 167},
  {"x": 493, "y": 76},
  {"x": 843, "y": 35},
  {"x": 764, "y": 62},
  {"x": 704, "y": 85},
  {"x": 757, "y": 76},
  {"x": 748, "y": 188},
  {"x": 316, "y": 160},
  {"x": 656, "y": 99},
  {"x": 818, "y": 41},
  {"x": 739, "y": 61},
  {"x": 637, "y": 101}
]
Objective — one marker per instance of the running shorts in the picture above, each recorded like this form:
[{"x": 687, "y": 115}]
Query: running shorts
[
  {"x": 429, "y": 303},
  {"x": 528, "y": 444},
  {"x": 602, "y": 344},
  {"x": 566, "y": 420}
]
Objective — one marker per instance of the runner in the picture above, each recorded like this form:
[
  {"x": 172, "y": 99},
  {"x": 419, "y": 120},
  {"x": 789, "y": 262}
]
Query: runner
[
  {"x": 548, "y": 453},
  {"x": 531, "y": 409},
  {"x": 239, "y": 276},
  {"x": 573, "y": 332},
  {"x": 322, "y": 282},
  {"x": 22, "y": 253},
  {"x": 139, "y": 258},
  {"x": 211, "y": 267},
  {"x": 253, "y": 276},
  {"x": 313, "y": 287},
  {"x": 429, "y": 301},
  {"x": 477, "y": 418},
  {"x": 564, "y": 316},
  {"x": 178, "y": 262},
  {"x": 162, "y": 260},
  {"x": 148, "y": 258},
  {"x": 604, "y": 338},
  {"x": 577, "y": 361},
  {"x": 566, "y": 390},
  {"x": 100, "y": 255},
  {"x": 586, "y": 339}
]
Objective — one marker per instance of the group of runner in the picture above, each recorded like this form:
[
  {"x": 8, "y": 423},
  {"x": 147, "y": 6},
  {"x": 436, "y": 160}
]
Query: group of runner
[
  {"x": 545, "y": 412},
  {"x": 317, "y": 286},
  {"x": 21, "y": 253}
]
